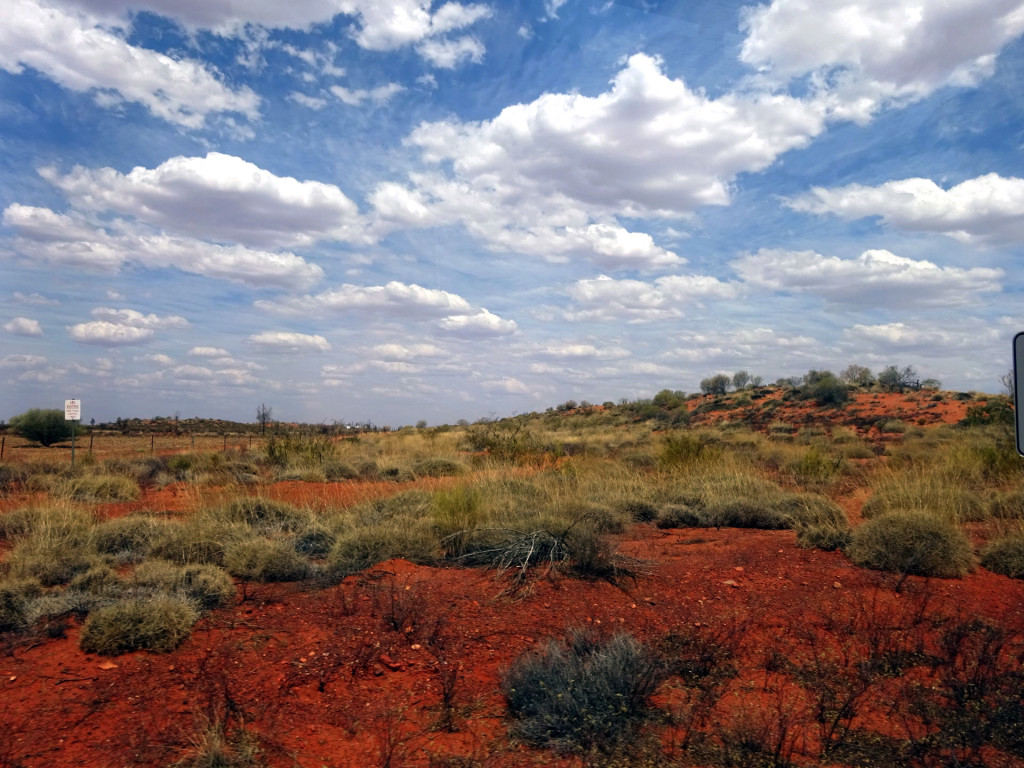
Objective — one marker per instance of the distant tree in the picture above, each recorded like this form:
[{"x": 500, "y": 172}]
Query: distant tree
[
  {"x": 931, "y": 384},
  {"x": 43, "y": 426},
  {"x": 756, "y": 381},
  {"x": 813, "y": 376},
  {"x": 826, "y": 389},
  {"x": 421, "y": 424},
  {"x": 858, "y": 374},
  {"x": 668, "y": 399},
  {"x": 263, "y": 415},
  {"x": 715, "y": 385},
  {"x": 896, "y": 379},
  {"x": 740, "y": 379},
  {"x": 1009, "y": 382}
]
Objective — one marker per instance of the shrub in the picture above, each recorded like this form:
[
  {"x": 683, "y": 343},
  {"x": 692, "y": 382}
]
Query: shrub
[
  {"x": 158, "y": 623},
  {"x": 101, "y": 488},
  {"x": 681, "y": 450},
  {"x": 715, "y": 385},
  {"x": 14, "y": 598},
  {"x": 52, "y": 559},
  {"x": 127, "y": 538},
  {"x": 198, "y": 540},
  {"x": 584, "y": 695},
  {"x": 456, "y": 514},
  {"x": 914, "y": 543},
  {"x": 1008, "y": 505},
  {"x": 1005, "y": 556},
  {"x": 360, "y": 548},
  {"x": 825, "y": 536},
  {"x": 315, "y": 540},
  {"x": 266, "y": 560},
  {"x": 43, "y": 426},
  {"x": 262, "y": 513},
  {"x": 207, "y": 586},
  {"x": 100, "y": 580},
  {"x": 438, "y": 468}
]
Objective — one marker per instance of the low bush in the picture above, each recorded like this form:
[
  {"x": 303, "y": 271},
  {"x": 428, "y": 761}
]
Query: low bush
[
  {"x": 100, "y": 580},
  {"x": 315, "y": 540},
  {"x": 52, "y": 559},
  {"x": 361, "y": 547},
  {"x": 197, "y": 540},
  {"x": 456, "y": 514},
  {"x": 100, "y": 488},
  {"x": 207, "y": 586},
  {"x": 824, "y": 536},
  {"x": 584, "y": 695},
  {"x": 1009, "y": 505},
  {"x": 266, "y": 560},
  {"x": 262, "y": 513},
  {"x": 438, "y": 468},
  {"x": 157, "y": 623},
  {"x": 1005, "y": 555},
  {"x": 915, "y": 543},
  {"x": 14, "y": 599},
  {"x": 127, "y": 538}
]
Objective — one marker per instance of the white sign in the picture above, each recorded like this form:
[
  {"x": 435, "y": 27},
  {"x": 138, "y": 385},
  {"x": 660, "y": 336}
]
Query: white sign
[
  {"x": 72, "y": 410},
  {"x": 1018, "y": 388}
]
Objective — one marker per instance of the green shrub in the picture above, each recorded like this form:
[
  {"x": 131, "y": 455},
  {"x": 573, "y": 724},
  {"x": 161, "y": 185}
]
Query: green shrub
[
  {"x": 207, "y": 586},
  {"x": 53, "y": 560},
  {"x": 359, "y": 548},
  {"x": 438, "y": 468},
  {"x": 682, "y": 450},
  {"x": 640, "y": 511},
  {"x": 681, "y": 516},
  {"x": 100, "y": 488},
  {"x": 100, "y": 580},
  {"x": 584, "y": 695},
  {"x": 158, "y": 623},
  {"x": 825, "y": 536},
  {"x": 336, "y": 470},
  {"x": 266, "y": 560},
  {"x": 456, "y": 514},
  {"x": 315, "y": 540},
  {"x": 1005, "y": 556},
  {"x": 14, "y": 599},
  {"x": 262, "y": 513},
  {"x": 127, "y": 538},
  {"x": 197, "y": 540},
  {"x": 1008, "y": 505},
  {"x": 914, "y": 543},
  {"x": 43, "y": 426}
]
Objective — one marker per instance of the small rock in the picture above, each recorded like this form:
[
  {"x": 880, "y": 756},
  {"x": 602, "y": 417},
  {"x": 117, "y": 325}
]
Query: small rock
[
  {"x": 738, "y": 569},
  {"x": 731, "y": 583},
  {"x": 416, "y": 646},
  {"x": 836, "y": 585},
  {"x": 377, "y": 670},
  {"x": 108, "y": 665}
]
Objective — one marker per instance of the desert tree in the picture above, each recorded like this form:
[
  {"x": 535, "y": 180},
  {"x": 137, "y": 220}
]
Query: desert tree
[
  {"x": 740, "y": 379},
  {"x": 263, "y": 415},
  {"x": 715, "y": 385},
  {"x": 1009, "y": 382},
  {"x": 45, "y": 426},
  {"x": 857, "y": 374},
  {"x": 896, "y": 379}
]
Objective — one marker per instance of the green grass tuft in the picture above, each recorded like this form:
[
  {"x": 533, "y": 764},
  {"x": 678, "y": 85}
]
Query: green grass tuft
[{"x": 159, "y": 623}]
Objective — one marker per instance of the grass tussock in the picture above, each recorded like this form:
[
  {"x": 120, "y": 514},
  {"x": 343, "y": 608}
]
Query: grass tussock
[
  {"x": 586, "y": 694},
  {"x": 266, "y": 560},
  {"x": 206, "y": 586},
  {"x": 103, "y": 488},
  {"x": 912, "y": 543},
  {"x": 1005, "y": 555},
  {"x": 159, "y": 623}
]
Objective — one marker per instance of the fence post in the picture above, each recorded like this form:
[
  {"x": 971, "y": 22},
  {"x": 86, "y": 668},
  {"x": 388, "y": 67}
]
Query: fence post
[
  {"x": 91, "y": 436},
  {"x": 225, "y": 441},
  {"x": 3, "y": 442},
  {"x": 152, "y": 441}
]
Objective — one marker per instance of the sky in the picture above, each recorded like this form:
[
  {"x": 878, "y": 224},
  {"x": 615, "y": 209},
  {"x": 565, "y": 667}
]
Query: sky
[{"x": 398, "y": 210}]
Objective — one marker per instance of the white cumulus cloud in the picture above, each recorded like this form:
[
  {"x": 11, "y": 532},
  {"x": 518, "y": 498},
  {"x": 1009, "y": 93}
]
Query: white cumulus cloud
[
  {"x": 875, "y": 278},
  {"x": 122, "y": 327},
  {"x": 23, "y": 326},
  {"x": 288, "y": 342},
  {"x": 218, "y": 197},
  {"x": 986, "y": 209},
  {"x": 69, "y": 47},
  {"x": 606, "y": 299},
  {"x": 863, "y": 54}
]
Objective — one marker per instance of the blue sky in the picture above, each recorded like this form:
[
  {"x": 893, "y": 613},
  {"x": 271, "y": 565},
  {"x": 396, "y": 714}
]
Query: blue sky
[{"x": 394, "y": 210}]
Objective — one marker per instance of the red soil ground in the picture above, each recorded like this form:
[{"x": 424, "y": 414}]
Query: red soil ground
[{"x": 351, "y": 675}]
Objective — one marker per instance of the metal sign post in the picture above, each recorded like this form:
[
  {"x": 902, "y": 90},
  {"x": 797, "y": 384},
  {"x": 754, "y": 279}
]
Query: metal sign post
[
  {"x": 73, "y": 413},
  {"x": 1018, "y": 389}
]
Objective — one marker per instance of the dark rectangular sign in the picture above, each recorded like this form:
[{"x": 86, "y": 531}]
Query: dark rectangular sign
[{"x": 1018, "y": 388}]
